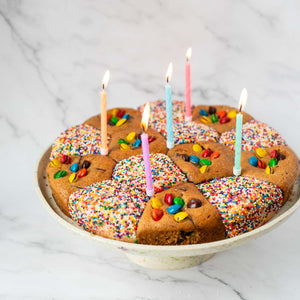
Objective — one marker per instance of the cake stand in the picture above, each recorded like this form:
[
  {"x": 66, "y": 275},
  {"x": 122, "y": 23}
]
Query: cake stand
[{"x": 157, "y": 257}]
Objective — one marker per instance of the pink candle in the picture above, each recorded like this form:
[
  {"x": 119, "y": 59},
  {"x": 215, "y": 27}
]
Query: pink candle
[
  {"x": 146, "y": 155},
  {"x": 188, "y": 108}
]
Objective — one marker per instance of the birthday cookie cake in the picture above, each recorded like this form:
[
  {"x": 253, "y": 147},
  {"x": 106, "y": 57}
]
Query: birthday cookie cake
[{"x": 196, "y": 197}]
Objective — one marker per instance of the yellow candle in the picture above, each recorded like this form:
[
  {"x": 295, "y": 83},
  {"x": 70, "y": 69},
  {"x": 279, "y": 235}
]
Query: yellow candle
[{"x": 104, "y": 148}]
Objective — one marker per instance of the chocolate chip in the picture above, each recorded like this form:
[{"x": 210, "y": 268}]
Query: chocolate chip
[
  {"x": 280, "y": 157},
  {"x": 212, "y": 110},
  {"x": 86, "y": 164},
  {"x": 194, "y": 203}
]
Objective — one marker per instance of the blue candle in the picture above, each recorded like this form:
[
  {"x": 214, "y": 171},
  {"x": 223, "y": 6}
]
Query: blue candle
[
  {"x": 170, "y": 133},
  {"x": 238, "y": 134}
]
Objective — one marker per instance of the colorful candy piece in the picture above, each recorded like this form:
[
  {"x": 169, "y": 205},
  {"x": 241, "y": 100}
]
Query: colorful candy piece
[
  {"x": 179, "y": 201},
  {"x": 221, "y": 114},
  {"x": 253, "y": 161},
  {"x": 261, "y": 164},
  {"x": 109, "y": 116},
  {"x": 231, "y": 114},
  {"x": 203, "y": 169},
  {"x": 126, "y": 117},
  {"x": 74, "y": 168},
  {"x": 194, "y": 159},
  {"x": 120, "y": 113},
  {"x": 207, "y": 153},
  {"x": 197, "y": 148},
  {"x": 124, "y": 147},
  {"x": 55, "y": 163},
  {"x": 205, "y": 162},
  {"x": 215, "y": 155},
  {"x": 65, "y": 159},
  {"x": 280, "y": 157},
  {"x": 137, "y": 143},
  {"x": 169, "y": 199},
  {"x": 73, "y": 178},
  {"x": 122, "y": 141},
  {"x": 205, "y": 120},
  {"x": 59, "y": 174},
  {"x": 114, "y": 112},
  {"x": 224, "y": 120},
  {"x": 114, "y": 120},
  {"x": 273, "y": 162},
  {"x": 269, "y": 170},
  {"x": 274, "y": 154},
  {"x": 156, "y": 203},
  {"x": 185, "y": 157},
  {"x": 82, "y": 173},
  {"x": 157, "y": 214},
  {"x": 179, "y": 217},
  {"x": 86, "y": 164},
  {"x": 121, "y": 122},
  {"x": 212, "y": 110},
  {"x": 131, "y": 136},
  {"x": 261, "y": 153},
  {"x": 151, "y": 138},
  {"x": 174, "y": 209},
  {"x": 214, "y": 118},
  {"x": 203, "y": 112},
  {"x": 194, "y": 203}
]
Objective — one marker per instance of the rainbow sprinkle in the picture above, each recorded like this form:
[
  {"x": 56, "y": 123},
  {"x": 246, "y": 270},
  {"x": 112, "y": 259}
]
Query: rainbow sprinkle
[
  {"x": 165, "y": 173},
  {"x": 109, "y": 209},
  {"x": 77, "y": 140},
  {"x": 255, "y": 135},
  {"x": 244, "y": 203},
  {"x": 183, "y": 133}
]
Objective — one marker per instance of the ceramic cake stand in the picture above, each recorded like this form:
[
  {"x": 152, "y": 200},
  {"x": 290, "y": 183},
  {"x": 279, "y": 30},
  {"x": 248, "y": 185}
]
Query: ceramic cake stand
[{"x": 157, "y": 257}]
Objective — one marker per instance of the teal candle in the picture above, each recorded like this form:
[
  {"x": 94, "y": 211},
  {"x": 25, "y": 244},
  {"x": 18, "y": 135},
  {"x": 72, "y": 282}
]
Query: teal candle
[
  {"x": 170, "y": 133},
  {"x": 237, "y": 170},
  {"x": 238, "y": 145}
]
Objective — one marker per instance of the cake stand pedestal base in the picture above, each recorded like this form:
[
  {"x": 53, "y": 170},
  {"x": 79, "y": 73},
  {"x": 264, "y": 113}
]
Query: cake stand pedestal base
[{"x": 168, "y": 262}]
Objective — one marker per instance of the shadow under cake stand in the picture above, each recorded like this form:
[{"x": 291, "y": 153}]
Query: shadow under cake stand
[{"x": 151, "y": 256}]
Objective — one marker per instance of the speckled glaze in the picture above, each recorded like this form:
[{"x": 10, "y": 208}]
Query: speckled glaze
[{"x": 157, "y": 257}]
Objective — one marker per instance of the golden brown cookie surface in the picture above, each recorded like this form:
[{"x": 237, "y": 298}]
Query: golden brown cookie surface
[
  {"x": 97, "y": 168},
  {"x": 220, "y": 112},
  {"x": 127, "y": 143},
  {"x": 202, "y": 223},
  {"x": 191, "y": 159},
  {"x": 134, "y": 120},
  {"x": 284, "y": 171}
]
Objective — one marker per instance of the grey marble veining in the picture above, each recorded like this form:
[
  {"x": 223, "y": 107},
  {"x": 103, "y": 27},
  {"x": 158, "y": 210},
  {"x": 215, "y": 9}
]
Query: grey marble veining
[{"x": 53, "y": 55}]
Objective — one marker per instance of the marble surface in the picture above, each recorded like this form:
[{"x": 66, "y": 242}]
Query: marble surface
[{"x": 53, "y": 55}]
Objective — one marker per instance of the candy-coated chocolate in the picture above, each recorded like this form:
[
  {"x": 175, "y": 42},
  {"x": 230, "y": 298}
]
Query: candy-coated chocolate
[
  {"x": 203, "y": 112},
  {"x": 82, "y": 173},
  {"x": 74, "y": 168},
  {"x": 114, "y": 120},
  {"x": 206, "y": 153},
  {"x": 137, "y": 143},
  {"x": 169, "y": 199},
  {"x": 194, "y": 203},
  {"x": 203, "y": 169},
  {"x": 253, "y": 161},
  {"x": 174, "y": 209},
  {"x": 221, "y": 114},
  {"x": 156, "y": 203},
  {"x": 59, "y": 174},
  {"x": 86, "y": 164},
  {"x": 65, "y": 159},
  {"x": 185, "y": 157},
  {"x": 124, "y": 147},
  {"x": 212, "y": 110},
  {"x": 269, "y": 170},
  {"x": 214, "y": 155},
  {"x": 114, "y": 112},
  {"x": 73, "y": 177},
  {"x": 108, "y": 116},
  {"x": 121, "y": 122},
  {"x": 179, "y": 217},
  {"x": 122, "y": 141},
  {"x": 224, "y": 120},
  {"x": 157, "y": 214},
  {"x": 120, "y": 113},
  {"x": 231, "y": 114},
  {"x": 197, "y": 148},
  {"x": 261, "y": 164},
  {"x": 214, "y": 118},
  {"x": 273, "y": 162},
  {"x": 274, "y": 154},
  {"x": 151, "y": 138},
  {"x": 179, "y": 201},
  {"x": 261, "y": 153},
  {"x": 205, "y": 120},
  {"x": 131, "y": 136},
  {"x": 205, "y": 162},
  {"x": 55, "y": 163},
  {"x": 194, "y": 159},
  {"x": 280, "y": 157},
  {"x": 126, "y": 116}
]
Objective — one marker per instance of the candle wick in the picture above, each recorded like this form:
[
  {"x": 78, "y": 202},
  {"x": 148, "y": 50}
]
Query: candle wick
[
  {"x": 167, "y": 79},
  {"x": 103, "y": 86}
]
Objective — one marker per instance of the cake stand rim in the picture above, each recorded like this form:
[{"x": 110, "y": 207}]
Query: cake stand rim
[{"x": 179, "y": 250}]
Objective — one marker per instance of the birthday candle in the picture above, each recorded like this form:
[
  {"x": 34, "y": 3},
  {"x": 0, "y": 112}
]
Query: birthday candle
[
  {"x": 104, "y": 148},
  {"x": 170, "y": 133},
  {"x": 238, "y": 138},
  {"x": 146, "y": 155},
  {"x": 188, "y": 109}
]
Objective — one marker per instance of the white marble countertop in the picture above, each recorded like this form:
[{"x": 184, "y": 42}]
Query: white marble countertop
[{"x": 53, "y": 55}]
